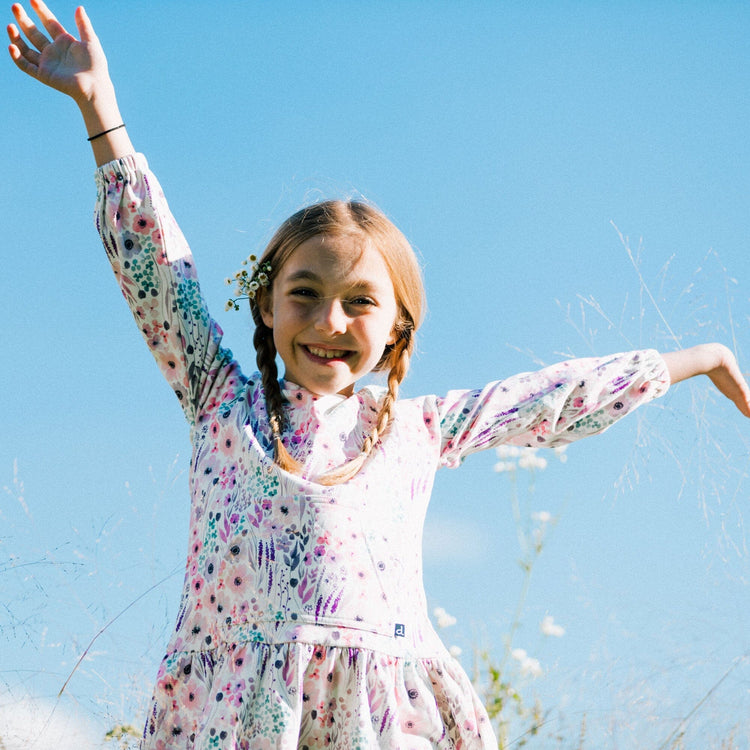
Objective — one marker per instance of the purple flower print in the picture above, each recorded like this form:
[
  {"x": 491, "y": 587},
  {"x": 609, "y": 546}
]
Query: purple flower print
[{"x": 131, "y": 245}]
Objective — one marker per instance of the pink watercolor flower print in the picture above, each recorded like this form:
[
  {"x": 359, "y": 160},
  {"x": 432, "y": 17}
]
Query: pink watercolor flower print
[{"x": 143, "y": 223}]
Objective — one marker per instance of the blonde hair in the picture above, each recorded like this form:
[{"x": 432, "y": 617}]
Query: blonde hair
[{"x": 359, "y": 220}]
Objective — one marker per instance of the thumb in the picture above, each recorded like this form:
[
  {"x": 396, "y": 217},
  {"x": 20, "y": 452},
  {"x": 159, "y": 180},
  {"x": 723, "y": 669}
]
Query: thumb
[{"x": 85, "y": 28}]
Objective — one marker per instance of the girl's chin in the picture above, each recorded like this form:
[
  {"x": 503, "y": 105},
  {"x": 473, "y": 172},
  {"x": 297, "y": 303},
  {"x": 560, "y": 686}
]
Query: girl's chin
[
  {"x": 338, "y": 389},
  {"x": 331, "y": 387}
]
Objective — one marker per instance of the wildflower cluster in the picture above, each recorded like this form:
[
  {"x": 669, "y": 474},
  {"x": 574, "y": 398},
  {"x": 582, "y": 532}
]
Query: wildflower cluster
[
  {"x": 444, "y": 620},
  {"x": 527, "y": 665},
  {"x": 549, "y": 627},
  {"x": 247, "y": 282},
  {"x": 512, "y": 457}
]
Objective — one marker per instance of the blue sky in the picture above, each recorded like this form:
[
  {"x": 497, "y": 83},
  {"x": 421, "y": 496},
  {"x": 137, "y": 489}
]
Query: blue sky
[{"x": 510, "y": 142}]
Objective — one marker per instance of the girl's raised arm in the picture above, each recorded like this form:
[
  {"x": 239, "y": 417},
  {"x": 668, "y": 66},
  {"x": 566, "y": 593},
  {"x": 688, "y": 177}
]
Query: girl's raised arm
[
  {"x": 716, "y": 361},
  {"x": 76, "y": 68}
]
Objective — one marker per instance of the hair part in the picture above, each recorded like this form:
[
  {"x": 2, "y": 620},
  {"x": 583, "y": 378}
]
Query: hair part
[{"x": 336, "y": 218}]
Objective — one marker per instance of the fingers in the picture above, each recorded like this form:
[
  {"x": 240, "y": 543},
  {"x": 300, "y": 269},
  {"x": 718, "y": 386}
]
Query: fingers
[
  {"x": 51, "y": 24},
  {"x": 728, "y": 378},
  {"x": 743, "y": 400},
  {"x": 29, "y": 28},
  {"x": 22, "y": 62},
  {"x": 85, "y": 28},
  {"x": 23, "y": 56},
  {"x": 17, "y": 40}
]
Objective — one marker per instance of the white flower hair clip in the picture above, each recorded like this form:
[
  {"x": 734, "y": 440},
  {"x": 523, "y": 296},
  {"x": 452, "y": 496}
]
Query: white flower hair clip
[{"x": 247, "y": 282}]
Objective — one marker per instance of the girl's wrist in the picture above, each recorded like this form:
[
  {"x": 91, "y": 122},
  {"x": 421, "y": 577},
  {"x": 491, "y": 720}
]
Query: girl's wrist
[
  {"x": 99, "y": 107},
  {"x": 698, "y": 360},
  {"x": 104, "y": 125}
]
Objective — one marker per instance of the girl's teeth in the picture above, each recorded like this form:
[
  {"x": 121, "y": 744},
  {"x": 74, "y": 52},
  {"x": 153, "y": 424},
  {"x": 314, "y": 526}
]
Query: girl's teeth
[{"x": 326, "y": 353}]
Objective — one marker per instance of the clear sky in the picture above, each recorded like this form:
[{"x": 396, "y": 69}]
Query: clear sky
[{"x": 522, "y": 147}]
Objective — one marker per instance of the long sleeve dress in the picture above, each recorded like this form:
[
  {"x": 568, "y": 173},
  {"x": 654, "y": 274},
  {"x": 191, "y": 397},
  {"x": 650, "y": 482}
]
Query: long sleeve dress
[{"x": 303, "y": 620}]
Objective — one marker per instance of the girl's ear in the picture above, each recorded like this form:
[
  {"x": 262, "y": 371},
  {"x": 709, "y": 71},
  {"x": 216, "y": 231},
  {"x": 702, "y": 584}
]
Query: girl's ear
[
  {"x": 265, "y": 305},
  {"x": 396, "y": 331}
]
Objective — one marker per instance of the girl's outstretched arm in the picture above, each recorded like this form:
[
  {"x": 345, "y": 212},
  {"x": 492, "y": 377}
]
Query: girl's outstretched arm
[
  {"x": 716, "y": 361},
  {"x": 76, "y": 68}
]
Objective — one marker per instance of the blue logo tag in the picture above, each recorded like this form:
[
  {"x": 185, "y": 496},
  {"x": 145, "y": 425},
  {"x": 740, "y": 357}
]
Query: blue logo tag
[{"x": 400, "y": 631}]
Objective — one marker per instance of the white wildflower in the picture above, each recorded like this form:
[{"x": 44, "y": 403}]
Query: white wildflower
[
  {"x": 560, "y": 453},
  {"x": 531, "y": 460},
  {"x": 541, "y": 516},
  {"x": 531, "y": 667},
  {"x": 548, "y": 626},
  {"x": 455, "y": 651},
  {"x": 508, "y": 451},
  {"x": 444, "y": 620},
  {"x": 512, "y": 457},
  {"x": 528, "y": 665}
]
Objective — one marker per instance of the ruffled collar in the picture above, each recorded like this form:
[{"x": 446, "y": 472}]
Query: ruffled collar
[{"x": 299, "y": 396}]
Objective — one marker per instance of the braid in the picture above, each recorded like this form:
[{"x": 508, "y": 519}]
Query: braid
[
  {"x": 400, "y": 356},
  {"x": 266, "y": 361}
]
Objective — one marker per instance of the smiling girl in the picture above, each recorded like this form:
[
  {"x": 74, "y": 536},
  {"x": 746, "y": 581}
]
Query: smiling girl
[{"x": 303, "y": 620}]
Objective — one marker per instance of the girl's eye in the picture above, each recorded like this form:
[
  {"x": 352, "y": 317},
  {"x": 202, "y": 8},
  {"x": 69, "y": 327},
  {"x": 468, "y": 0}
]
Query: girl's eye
[
  {"x": 303, "y": 292},
  {"x": 362, "y": 301}
]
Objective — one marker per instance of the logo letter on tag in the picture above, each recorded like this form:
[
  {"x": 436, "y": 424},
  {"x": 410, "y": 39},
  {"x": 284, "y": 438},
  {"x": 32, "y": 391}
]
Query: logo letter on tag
[{"x": 400, "y": 631}]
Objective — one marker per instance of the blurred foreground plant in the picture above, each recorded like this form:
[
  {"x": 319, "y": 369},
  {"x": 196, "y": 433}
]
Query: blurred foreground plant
[
  {"x": 503, "y": 683},
  {"x": 125, "y": 735}
]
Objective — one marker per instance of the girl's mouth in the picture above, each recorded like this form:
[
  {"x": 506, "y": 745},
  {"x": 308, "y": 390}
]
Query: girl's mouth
[{"x": 326, "y": 354}]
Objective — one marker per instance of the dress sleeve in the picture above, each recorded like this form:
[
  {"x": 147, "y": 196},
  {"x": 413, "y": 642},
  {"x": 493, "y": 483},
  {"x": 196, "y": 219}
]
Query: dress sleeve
[
  {"x": 557, "y": 405},
  {"x": 155, "y": 271}
]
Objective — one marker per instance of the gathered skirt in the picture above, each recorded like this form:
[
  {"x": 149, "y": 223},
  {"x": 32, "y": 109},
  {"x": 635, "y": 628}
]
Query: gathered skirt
[{"x": 290, "y": 696}]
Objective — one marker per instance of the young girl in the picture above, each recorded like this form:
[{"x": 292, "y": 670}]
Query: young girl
[{"x": 303, "y": 619}]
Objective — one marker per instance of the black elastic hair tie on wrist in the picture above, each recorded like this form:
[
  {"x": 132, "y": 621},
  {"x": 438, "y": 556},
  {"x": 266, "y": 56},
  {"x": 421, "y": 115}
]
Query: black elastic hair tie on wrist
[{"x": 104, "y": 132}]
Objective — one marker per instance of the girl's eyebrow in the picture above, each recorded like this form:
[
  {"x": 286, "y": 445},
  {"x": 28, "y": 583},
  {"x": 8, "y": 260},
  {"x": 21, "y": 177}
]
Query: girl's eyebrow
[{"x": 304, "y": 274}]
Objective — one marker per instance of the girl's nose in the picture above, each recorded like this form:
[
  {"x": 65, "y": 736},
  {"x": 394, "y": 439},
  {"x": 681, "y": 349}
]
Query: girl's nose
[{"x": 331, "y": 318}]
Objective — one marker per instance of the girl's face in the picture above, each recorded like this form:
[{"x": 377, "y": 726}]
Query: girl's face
[{"x": 333, "y": 310}]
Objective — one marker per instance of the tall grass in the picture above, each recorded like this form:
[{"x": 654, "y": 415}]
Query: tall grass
[{"x": 56, "y": 582}]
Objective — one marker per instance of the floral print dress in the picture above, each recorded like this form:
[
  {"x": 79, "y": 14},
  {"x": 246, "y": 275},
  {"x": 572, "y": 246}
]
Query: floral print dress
[{"x": 303, "y": 621}]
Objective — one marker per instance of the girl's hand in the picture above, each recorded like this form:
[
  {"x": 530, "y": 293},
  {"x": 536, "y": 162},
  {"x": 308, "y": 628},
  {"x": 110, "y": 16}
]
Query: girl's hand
[
  {"x": 716, "y": 361},
  {"x": 76, "y": 68}
]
